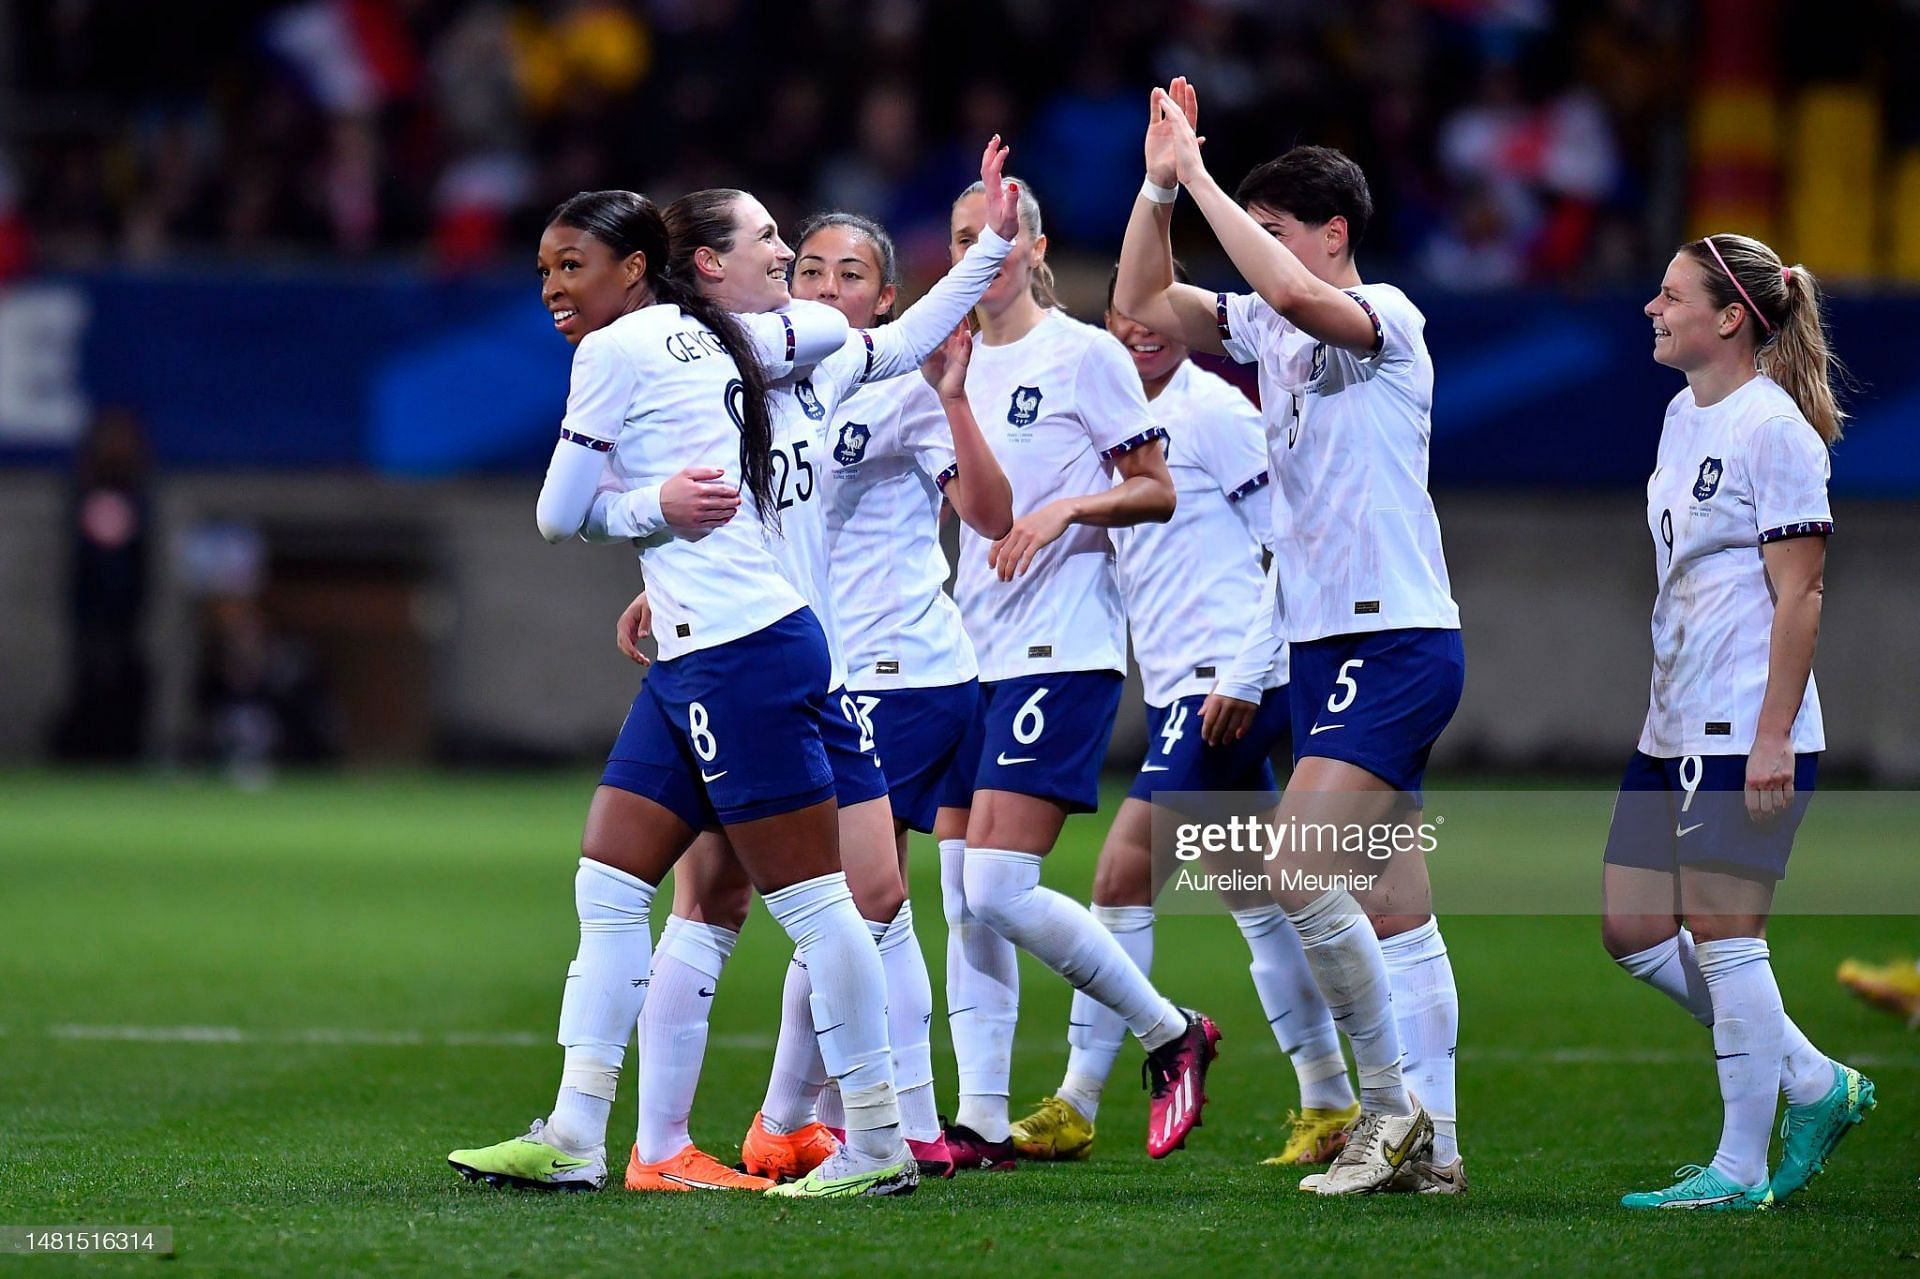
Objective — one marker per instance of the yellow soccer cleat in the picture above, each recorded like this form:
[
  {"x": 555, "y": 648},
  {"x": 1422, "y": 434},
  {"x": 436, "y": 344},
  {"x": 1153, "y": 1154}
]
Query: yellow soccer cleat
[
  {"x": 1055, "y": 1131},
  {"x": 691, "y": 1169},
  {"x": 1316, "y": 1137},
  {"x": 1894, "y": 987}
]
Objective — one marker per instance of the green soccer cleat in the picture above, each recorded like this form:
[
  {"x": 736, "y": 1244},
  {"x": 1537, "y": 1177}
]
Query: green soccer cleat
[
  {"x": 530, "y": 1163},
  {"x": 1703, "y": 1189},
  {"x": 838, "y": 1178},
  {"x": 1810, "y": 1132}
]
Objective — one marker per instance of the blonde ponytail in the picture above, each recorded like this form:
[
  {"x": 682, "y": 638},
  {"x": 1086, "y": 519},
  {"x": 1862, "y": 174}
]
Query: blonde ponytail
[{"x": 1790, "y": 335}]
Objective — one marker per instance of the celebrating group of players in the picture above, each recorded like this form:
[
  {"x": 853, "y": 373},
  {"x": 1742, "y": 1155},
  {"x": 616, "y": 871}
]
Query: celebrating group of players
[{"x": 780, "y": 447}]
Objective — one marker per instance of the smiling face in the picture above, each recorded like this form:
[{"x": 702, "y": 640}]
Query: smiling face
[
  {"x": 841, "y": 267},
  {"x": 1015, "y": 276},
  {"x": 1321, "y": 249},
  {"x": 1155, "y": 356},
  {"x": 752, "y": 275},
  {"x": 583, "y": 285},
  {"x": 1688, "y": 329}
]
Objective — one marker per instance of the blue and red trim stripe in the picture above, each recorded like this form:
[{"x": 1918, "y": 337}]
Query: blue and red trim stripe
[
  {"x": 945, "y": 477},
  {"x": 1805, "y": 528},
  {"x": 792, "y": 341},
  {"x": 1133, "y": 442},
  {"x": 574, "y": 437},
  {"x": 1379, "y": 334},
  {"x": 868, "y": 339},
  {"x": 1220, "y": 317},
  {"x": 1251, "y": 487}
]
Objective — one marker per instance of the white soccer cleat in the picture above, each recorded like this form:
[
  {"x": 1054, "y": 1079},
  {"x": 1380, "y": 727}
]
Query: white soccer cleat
[{"x": 1379, "y": 1148}]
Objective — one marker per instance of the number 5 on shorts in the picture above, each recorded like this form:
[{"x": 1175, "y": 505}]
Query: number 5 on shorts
[{"x": 1348, "y": 690}]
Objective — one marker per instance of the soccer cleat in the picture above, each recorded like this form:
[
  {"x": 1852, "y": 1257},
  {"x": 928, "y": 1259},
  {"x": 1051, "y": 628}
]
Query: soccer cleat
[
  {"x": 1378, "y": 1147},
  {"x": 932, "y": 1157},
  {"x": 840, "y": 1177},
  {"x": 785, "y": 1156},
  {"x": 1810, "y": 1132},
  {"x": 531, "y": 1163},
  {"x": 691, "y": 1169},
  {"x": 1054, "y": 1131},
  {"x": 1703, "y": 1189},
  {"x": 1312, "y": 1182},
  {"x": 1894, "y": 987},
  {"x": 1316, "y": 1136},
  {"x": 1176, "y": 1075},
  {"x": 971, "y": 1152},
  {"x": 1424, "y": 1177}
]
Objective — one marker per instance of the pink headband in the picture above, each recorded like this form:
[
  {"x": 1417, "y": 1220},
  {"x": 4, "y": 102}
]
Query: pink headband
[{"x": 1785, "y": 272}]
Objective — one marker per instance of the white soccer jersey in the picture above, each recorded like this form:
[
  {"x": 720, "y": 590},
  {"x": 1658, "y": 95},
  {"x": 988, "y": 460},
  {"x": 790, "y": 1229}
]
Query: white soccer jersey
[
  {"x": 805, "y": 402},
  {"x": 1355, "y": 533},
  {"x": 1192, "y": 585},
  {"x": 656, "y": 392},
  {"x": 1055, "y": 407},
  {"x": 889, "y": 452},
  {"x": 1729, "y": 479}
]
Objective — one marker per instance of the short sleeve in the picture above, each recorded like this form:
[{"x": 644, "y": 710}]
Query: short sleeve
[
  {"x": 1397, "y": 326},
  {"x": 1236, "y": 451},
  {"x": 599, "y": 393},
  {"x": 1788, "y": 467},
  {"x": 1110, "y": 402},
  {"x": 925, "y": 435},
  {"x": 1246, "y": 322}
]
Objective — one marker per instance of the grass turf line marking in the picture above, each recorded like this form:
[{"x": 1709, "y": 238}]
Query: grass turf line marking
[{"x": 351, "y": 1037}]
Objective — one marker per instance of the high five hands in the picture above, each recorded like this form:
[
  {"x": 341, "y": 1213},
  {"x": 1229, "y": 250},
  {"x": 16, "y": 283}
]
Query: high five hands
[
  {"x": 1003, "y": 197},
  {"x": 1173, "y": 145}
]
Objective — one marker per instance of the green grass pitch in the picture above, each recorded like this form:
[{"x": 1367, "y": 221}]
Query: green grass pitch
[{"x": 376, "y": 964}]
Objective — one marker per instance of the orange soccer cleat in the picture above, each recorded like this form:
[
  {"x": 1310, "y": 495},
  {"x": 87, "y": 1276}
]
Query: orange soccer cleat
[
  {"x": 691, "y": 1169},
  {"x": 787, "y": 1156}
]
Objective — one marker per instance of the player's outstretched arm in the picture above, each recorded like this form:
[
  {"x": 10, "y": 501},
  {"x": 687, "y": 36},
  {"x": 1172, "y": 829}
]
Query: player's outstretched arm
[
  {"x": 1144, "y": 495},
  {"x": 1279, "y": 277},
  {"x": 977, "y": 488},
  {"x": 798, "y": 335},
  {"x": 1145, "y": 290}
]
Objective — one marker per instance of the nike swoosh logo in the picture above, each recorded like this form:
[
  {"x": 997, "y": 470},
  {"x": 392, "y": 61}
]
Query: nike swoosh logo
[
  {"x": 1155, "y": 768},
  {"x": 706, "y": 992},
  {"x": 1321, "y": 728},
  {"x": 715, "y": 777},
  {"x": 1396, "y": 1156},
  {"x": 1681, "y": 832},
  {"x": 1019, "y": 759},
  {"x": 562, "y": 1165}
]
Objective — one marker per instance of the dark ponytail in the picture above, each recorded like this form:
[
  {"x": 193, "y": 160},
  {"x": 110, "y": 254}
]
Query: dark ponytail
[
  {"x": 704, "y": 219},
  {"x": 628, "y": 223}
]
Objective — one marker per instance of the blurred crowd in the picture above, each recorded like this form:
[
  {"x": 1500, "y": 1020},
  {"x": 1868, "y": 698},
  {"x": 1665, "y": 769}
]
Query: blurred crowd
[{"x": 1509, "y": 141}]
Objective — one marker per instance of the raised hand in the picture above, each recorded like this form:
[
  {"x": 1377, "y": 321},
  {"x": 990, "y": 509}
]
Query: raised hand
[
  {"x": 946, "y": 369},
  {"x": 1003, "y": 197},
  {"x": 1171, "y": 137}
]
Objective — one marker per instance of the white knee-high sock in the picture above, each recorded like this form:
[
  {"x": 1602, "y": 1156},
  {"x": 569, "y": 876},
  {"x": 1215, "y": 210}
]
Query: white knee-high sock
[
  {"x": 1672, "y": 967},
  {"x": 799, "y": 1072},
  {"x": 1748, "y": 1025},
  {"x": 606, "y": 987},
  {"x": 1426, "y": 1009},
  {"x": 1003, "y": 889},
  {"x": 1294, "y": 1009},
  {"x": 983, "y": 1001},
  {"x": 1094, "y": 1031},
  {"x": 849, "y": 1003},
  {"x": 909, "y": 1018},
  {"x": 673, "y": 1031},
  {"x": 1344, "y": 956}
]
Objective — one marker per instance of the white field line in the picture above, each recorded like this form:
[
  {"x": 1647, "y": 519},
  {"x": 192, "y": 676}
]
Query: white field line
[{"x": 353, "y": 1037}]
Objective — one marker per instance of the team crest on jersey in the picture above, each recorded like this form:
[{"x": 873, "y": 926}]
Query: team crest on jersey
[
  {"x": 1025, "y": 407},
  {"x": 809, "y": 400},
  {"x": 853, "y": 443},
  {"x": 1708, "y": 482}
]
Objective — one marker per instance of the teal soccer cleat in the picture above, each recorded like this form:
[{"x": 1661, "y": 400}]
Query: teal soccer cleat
[
  {"x": 1702, "y": 1188},
  {"x": 1811, "y": 1132}
]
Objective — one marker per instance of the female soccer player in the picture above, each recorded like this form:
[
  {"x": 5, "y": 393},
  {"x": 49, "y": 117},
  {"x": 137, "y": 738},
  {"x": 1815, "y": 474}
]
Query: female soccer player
[
  {"x": 710, "y": 894},
  {"x": 727, "y": 730},
  {"x": 1191, "y": 588},
  {"x": 1346, "y": 387},
  {"x": 1726, "y": 762},
  {"x": 1062, "y": 409}
]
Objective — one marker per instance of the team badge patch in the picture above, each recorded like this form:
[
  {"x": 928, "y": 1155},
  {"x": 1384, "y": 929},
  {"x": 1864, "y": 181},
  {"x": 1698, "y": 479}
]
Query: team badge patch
[
  {"x": 1025, "y": 407},
  {"x": 809, "y": 401},
  {"x": 1708, "y": 482},
  {"x": 852, "y": 445}
]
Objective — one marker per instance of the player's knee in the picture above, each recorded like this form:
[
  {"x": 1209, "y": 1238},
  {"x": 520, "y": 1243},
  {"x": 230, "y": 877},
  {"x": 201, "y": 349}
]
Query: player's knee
[
  {"x": 724, "y": 905},
  {"x": 995, "y": 899},
  {"x": 1118, "y": 883},
  {"x": 879, "y": 902},
  {"x": 1624, "y": 935}
]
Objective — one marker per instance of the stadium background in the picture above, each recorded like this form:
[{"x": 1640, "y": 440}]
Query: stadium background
[{"x": 274, "y": 264}]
